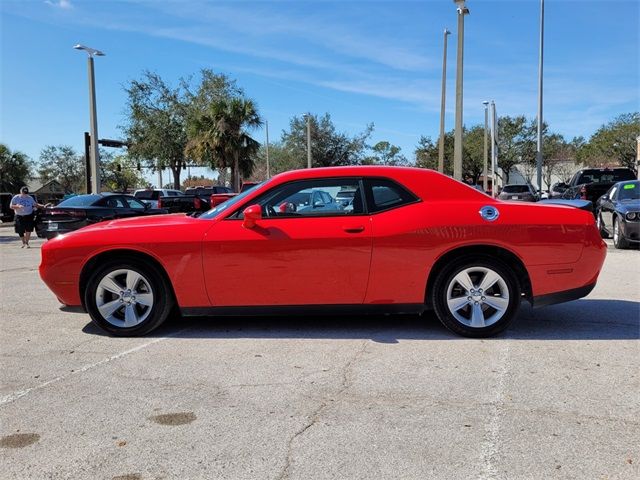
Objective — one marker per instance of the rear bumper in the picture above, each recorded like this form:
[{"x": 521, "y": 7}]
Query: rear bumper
[{"x": 563, "y": 296}]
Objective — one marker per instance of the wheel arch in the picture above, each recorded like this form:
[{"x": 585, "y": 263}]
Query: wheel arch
[
  {"x": 119, "y": 254},
  {"x": 493, "y": 251}
]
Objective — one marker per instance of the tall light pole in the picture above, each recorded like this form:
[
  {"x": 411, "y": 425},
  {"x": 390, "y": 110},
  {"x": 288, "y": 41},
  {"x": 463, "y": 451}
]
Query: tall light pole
[
  {"x": 442, "y": 104},
  {"x": 308, "y": 118},
  {"x": 266, "y": 126},
  {"x": 457, "y": 144},
  {"x": 93, "y": 119},
  {"x": 494, "y": 154},
  {"x": 539, "y": 145},
  {"x": 486, "y": 146}
]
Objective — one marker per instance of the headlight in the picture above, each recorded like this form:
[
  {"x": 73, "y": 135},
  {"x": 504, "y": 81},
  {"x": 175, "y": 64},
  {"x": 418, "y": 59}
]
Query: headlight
[{"x": 632, "y": 216}]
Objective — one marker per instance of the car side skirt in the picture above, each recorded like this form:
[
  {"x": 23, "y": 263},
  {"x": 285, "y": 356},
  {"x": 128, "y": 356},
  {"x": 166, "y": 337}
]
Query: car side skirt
[
  {"x": 272, "y": 310},
  {"x": 561, "y": 297}
]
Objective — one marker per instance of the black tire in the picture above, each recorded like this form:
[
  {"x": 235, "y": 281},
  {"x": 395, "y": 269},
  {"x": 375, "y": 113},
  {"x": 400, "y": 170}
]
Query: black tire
[
  {"x": 600, "y": 225},
  {"x": 476, "y": 267},
  {"x": 618, "y": 239},
  {"x": 152, "y": 282}
]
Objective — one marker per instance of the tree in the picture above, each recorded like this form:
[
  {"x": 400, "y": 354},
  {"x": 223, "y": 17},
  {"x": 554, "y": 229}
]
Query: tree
[
  {"x": 220, "y": 136},
  {"x": 63, "y": 164},
  {"x": 281, "y": 159},
  {"x": 197, "y": 181},
  {"x": 384, "y": 153},
  {"x": 120, "y": 173},
  {"x": 15, "y": 168},
  {"x": 156, "y": 123},
  {"x": 328, "y": 147},
  {"x": 512, "y": 138},
  {"x": 614, "y": 142}
]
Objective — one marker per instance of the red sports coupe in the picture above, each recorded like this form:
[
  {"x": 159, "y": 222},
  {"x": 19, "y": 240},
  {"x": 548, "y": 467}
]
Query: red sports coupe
[{"x": 395, "y": 240}]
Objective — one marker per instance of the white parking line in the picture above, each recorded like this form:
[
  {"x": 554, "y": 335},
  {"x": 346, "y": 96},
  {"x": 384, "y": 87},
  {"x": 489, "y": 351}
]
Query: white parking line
[{"x": 12, "y": 397}]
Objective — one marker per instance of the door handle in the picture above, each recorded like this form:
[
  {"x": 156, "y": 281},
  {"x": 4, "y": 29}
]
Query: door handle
[{"x": 357, "y": 229}]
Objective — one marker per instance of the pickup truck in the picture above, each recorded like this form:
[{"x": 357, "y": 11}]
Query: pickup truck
[
  {"x": 196, "y": 199},
  {"x": 591, "y": 183}
]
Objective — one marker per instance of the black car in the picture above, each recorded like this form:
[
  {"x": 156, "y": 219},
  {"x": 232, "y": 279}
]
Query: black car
[
  {"x": 82, "y": 210},
  {"x": 618, "y": 213}
]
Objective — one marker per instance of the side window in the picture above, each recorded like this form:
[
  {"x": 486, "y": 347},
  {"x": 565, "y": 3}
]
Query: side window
[
  {"x": 311, "y": 198},
  {"x": 133, "y": 203},
  {"x": 384, "y": 194},
  {"x": 115, "y": 202}
]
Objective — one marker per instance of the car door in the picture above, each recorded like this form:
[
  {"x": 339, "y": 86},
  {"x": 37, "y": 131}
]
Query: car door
[
  {"x": 136, "y": 207},
  {"x": 607, "y": 208},
  {"x": 294, "y": 255}
]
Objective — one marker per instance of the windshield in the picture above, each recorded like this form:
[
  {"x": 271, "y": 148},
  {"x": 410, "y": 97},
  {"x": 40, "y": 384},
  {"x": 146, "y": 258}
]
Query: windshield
[
  {"x": 80, "y": 201},
  {"x": 629, "y": 191},
  {"x": 229, "y": 204},
  {"x": 147, "y": 194},
  {"x": 604, "y": 176},
  {"x": 516, "y": 189}
]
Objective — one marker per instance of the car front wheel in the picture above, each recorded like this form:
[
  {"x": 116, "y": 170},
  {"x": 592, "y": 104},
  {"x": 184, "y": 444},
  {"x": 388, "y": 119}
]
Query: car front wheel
[
  {"x": 618, "y": 238},
  {"x": 128, "y": 298},
  {"x": 476, "y": 297}
]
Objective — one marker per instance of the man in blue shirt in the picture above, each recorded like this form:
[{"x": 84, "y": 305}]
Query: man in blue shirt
[{"x": 24, "y": 205}]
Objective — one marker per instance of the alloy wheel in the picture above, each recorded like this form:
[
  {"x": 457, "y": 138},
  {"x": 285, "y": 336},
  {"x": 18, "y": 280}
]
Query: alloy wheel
[
  {"x": 477, "y": 297},
  {"x": 124, "y": 298}
]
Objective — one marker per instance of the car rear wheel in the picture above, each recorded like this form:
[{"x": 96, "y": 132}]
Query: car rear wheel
[
  {"x": 618, "y": 238},
  {"x": 476, "y": 296},
  {"x": 128, "y": 298},
  {"x": 600, "y": 225}
]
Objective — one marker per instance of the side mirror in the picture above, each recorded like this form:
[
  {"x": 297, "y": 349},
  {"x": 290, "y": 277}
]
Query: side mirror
[{"x": 252, "y": 214}]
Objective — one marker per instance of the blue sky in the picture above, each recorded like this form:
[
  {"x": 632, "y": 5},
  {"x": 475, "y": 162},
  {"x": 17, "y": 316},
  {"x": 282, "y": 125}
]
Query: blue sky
[{"x": 361, "y": 61}]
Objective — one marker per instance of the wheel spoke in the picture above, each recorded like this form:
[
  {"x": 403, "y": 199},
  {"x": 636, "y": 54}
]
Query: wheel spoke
[
  {"x": 464, "y": 280},
  {"x": 109, "y": 308},
  {"x": 489, "y": 280},
  {"x": 499, "y": 303},
  {"x": 144, "y": 299},
  {"x": 130, "y": 316},
  {"x": 132, "y": 280},
  {"x": 457, "y": 303},
  {"x": 110, "y": 285},
  {"x": 477, "y": 316}
]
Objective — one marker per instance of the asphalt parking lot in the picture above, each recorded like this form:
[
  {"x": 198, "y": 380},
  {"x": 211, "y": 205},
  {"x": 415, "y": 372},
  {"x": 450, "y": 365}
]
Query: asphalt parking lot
[{"x": 395, "y": 397}]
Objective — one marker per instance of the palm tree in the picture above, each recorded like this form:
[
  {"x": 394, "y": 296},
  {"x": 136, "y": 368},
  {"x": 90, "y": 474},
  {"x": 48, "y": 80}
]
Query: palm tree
[{"x": 220, "y": 137}]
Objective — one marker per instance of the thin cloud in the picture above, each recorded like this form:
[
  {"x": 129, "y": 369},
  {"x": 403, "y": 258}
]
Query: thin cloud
[{"x": 63, "y": 4}]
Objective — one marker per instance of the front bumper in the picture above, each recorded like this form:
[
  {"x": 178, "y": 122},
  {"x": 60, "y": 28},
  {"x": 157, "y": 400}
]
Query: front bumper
[{"x": 630, "y": 231}]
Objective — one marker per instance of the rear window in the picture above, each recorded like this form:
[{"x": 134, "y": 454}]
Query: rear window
[
  {"x": 516, "y": 189},
  {"x": 147, "y": 194},
  {"x": 80, "y": 201},
  {"x": 604, "y": 176}
]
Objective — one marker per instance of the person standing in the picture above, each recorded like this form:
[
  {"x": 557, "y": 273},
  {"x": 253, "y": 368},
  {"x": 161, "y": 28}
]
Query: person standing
[{"x": 24, "y": 205}]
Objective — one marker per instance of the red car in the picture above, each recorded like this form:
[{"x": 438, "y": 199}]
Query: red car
[{"x": 411, "y": 240}]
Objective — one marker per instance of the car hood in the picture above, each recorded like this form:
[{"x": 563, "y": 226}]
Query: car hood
[
  {"x": 628, "y": 205},
  {"x": 177, "y": 219}
]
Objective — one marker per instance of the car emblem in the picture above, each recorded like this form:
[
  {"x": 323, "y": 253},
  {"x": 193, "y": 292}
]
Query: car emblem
[{"x": 489, "y": 213}]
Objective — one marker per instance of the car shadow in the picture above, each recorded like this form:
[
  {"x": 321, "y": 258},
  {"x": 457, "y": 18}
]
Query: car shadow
[
  {"x": 580, "y": 320},
  {"x": 11, "y": 239}
]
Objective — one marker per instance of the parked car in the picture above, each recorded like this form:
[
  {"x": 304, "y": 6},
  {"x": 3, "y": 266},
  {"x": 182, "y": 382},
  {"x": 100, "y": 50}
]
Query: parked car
[
  {"x": 196, "y": 199},
  {"x": 6, "y": 214},
  {"x": 521, "y": 192},
  {"x": 557, "y": 190},
  {"x": 618, "y": 214},
  {"x": 82, "y": 210},
  {"x": 150, "y": 196},
  {"x": 414, "y": 240},
  {"x": 591, "y": 183}
]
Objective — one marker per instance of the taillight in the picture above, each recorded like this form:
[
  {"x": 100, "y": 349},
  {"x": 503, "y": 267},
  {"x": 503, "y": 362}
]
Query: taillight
[
  {"x": 159, "y": 202},
  {"x": 70, "y": 213},
  {"x": 197, "y": 203},
  {"x": 583, "y": 193}
]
